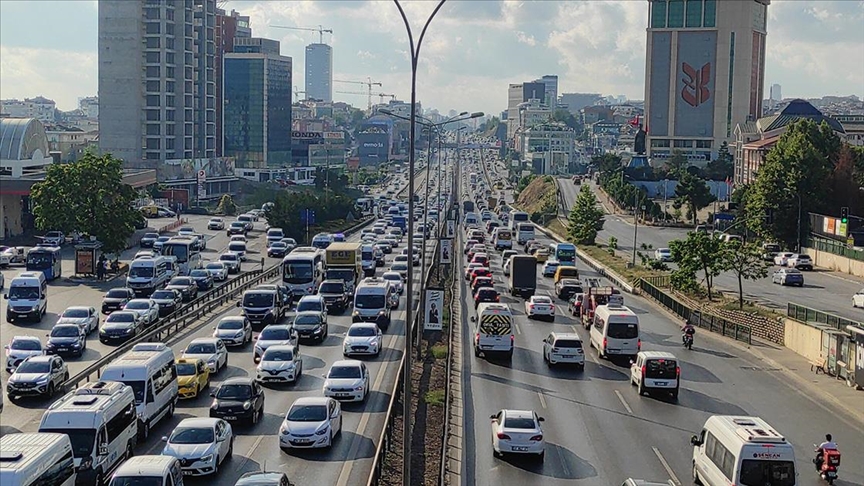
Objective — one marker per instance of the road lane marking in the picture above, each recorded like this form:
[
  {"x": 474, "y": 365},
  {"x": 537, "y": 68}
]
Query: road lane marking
[
  {"x": 623, "y": 402},
  {"x": 574, "y": 329},
  {"x": 666, "y": 465},
  {"x": 251, "y": 451},
  {"x": 518, "y": 329},
  {"x": 542, "y": 400}
]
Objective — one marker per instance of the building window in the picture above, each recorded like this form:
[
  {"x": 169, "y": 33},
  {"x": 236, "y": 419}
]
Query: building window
[
  {"x": 153, "y": 144},
  {"x": 169, "y": 100},
  {"x": 153, "y": 28},
  {"x": 151, "y": 13},
  {"x": 169, "y": 72},
  {"x": 658, "y": 14},
  {"x": 169, "y": 43},
  {"x": 152, "y": 100},
  {"x": 169, "y": 29},
  {"x": 152, "y": 71},
  {"x": 169, "y": 14},
  {"x": 151, "y": 58},
  {"x": 710, "y": 13},
  {"x": 169, "y": 130},
  {"x": 729, "y": 88},
  {"x": 169, "y": 57},
  {"x": 153, "y": 86},
  {"x": 659, "y": 143},
  {"x": 676, "y": 14},
  {"x": 152, "y": 43},
  {"x": 169, "y": 115},
  {"x": 153, "y": 115},
  {"x": 694, "y": 13},
  {"x": 169, "y": 144},
  {"x": 703, "y": 144},
  {"x": 682, "y": 143},
  {"x": 153, "y": 129},
  {"x": 153, "y": 156},
  {"x": 169, "y": 86}
]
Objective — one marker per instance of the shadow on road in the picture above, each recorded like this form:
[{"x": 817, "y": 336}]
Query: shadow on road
[
  {"x": 341, "y": 446},
  {"x": 699, "y": 401},
  {"x": 560, "y": 463}
]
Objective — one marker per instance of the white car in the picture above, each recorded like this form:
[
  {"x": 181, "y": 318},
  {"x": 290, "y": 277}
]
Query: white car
[
  {"x": 800, "y": 261},
  {"x": 363, "y": 338},
  {"x": 540, "y": 306},
  {"x": 186, "y": 231},
  {"x": 663, "y": 255},
  {"x": 144, "y": 254},
  {"x": 311, "y": 422},
  {"x": 217, "y": 270},
  {"x": 87, "y": 318},
  {"x": 11, "y": 254},
  {"x": 549, "y": 267},
  {"x": 395, "y": 279},
  {"x": 782, "y": 257},
  {"x": 347, "y": 380},
  {"x": 858, "y": 299},
  {"x": 209, "y": 350},
  {"x": 147, "y": 310},
  {"x": 273, "y": 335},
  {"x": 240, "y": 238},
  {"x": 280, "y": 363},
  {"x": 201, "y": 445},
  {"x": 517, "y": 432},
  {"x": 21, "y": 348},
  {"x": 401, "y": 268},
  {"x": 216, "y": 224},
  {"x": 561, "y": 348},
  {"x": 233, "y": 330}
]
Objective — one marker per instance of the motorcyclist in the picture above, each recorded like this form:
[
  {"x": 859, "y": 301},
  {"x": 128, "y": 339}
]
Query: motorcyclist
[
  {"x": 829, "y": 444},
  {"x": 687, "y": 330}
]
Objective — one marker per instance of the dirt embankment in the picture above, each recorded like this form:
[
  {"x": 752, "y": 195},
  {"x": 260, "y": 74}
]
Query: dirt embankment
[{"x": 539, "y": 198}]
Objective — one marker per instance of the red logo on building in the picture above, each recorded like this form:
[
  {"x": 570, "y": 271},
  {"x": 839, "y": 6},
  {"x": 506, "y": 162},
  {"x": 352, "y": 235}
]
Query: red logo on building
[{"x": 695, "y": 91}]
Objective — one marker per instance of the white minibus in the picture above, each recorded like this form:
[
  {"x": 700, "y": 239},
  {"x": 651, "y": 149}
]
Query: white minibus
[
  {"x": 149, "y": 471},
  {"x": 36, "y": 460},
  {"x": 615, "y": 331}
]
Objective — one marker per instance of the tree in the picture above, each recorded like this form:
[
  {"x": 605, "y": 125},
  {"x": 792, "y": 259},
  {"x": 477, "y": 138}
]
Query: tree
[
  {"x": 676, "y": 165},
  {"x": 699, "y": 252},
  {"x": 693, "y": 193},
  {"x": 586, "y": 219},
  {"x": 746, "y": 262},
  {"x": 227, "y": 206},
  {"x": 87, "y": 196},
  {"x": 722, "y": 167},
  {"x": 567, "y": 118}
]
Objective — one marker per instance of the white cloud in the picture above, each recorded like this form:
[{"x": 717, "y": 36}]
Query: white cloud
[
  {"x": 526, "y": 39},
  {"x": 63, "y": 76}
]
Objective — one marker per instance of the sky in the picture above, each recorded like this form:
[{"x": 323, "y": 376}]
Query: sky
[{"x": 471, "y": 52}]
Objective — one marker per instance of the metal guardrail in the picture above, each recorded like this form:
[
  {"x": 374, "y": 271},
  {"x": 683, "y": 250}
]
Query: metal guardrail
[
  {"x": 834, "y": 247},
  {"x": 807, "y": 314}
]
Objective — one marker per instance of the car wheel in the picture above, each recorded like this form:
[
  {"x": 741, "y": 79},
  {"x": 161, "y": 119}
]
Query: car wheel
[
  {"x": 541, "y": 456},
  {"x": 696, "y": 479},
  {"x": 256, "y": 415},
  {"x": 50, "y": 391},
  {"x": 98, "y": 480},
  {"x": 641, "y": 389},
  {"x": 170, "y": 410},
  {"x": 144, "y": 431},
  {"x": 230, "y": 452}
]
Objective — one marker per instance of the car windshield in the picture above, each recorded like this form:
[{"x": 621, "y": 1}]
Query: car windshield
[
  {"x": 34, "y": 367},
  {"x": 150, "y": 235},
  {"x": 185, "y": 369},
  {"x": 136, "y": 481},
  {"x": 278, "y": 355},
  {"x": 344, "y": 372},
  {"x": 76, "y": 313},
  {"x": 214, "y": 266},
  {"x": 26, "y": 345},
  {"x": 117, "y": 294},
  {"x": 622, "y": 330},
  {"x": 392, "y": 277},
  {"x": 237, "y": 247},
  {"x": 82, "y": 440},
  {"x": 26, "y": 293},
  {"x": 369, "y": 301},
  {"x": 519, "y": 423},
  {"x": 307, "y": 413},
  {"x": 661, "y": 368},
  {"x": 197, "y": 435},
  {"x": 142, "y": 272},
  {"x": 228, "y": 257},
  {"x": 278, "y": 244},
  {"x": 199, "y": 273},
  {"x": 231, "y": 324},
  {"x": 775, "y": 473},
  {"x": 331, "y": 288},
  {"x": 64, "y": 331},
  {"x": 399, "y": 266},
  {"x": 362, "y": 331},
  {"x": 234, "y": 392},
  {"x": 278, "y": 334},
  {"x": 309, "y": 305},
  {"x": 163, "y": 294},
  {"x": 307, "y": 319},
  {"x": 121, "y": 317},
  {"x": 201, "y": 348},
  {"x": 138, "y": 305},
  {"x": 258, "y": 299},
  {"x": 297, "y": 272},
  {"x": 568, "y": 343},
  {"x": 181, "y": 281}
]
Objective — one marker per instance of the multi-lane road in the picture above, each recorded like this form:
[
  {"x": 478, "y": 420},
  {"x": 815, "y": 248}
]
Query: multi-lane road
[
  {"x": 599, "y": 431},
  {"x": 256, "y": 447},
  {"x": 823, "y": 290}
]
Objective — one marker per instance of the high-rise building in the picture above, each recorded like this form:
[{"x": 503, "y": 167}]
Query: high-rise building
[
  {"x": 517, "y": 94},
  {"x": 776, "y": 94},
  {"x": 228, "y": 27},
  {"x": 576, "y": 101},
  {"x": 550, "y": 83},
  {"x": 157, "y": 87},
  {"x": 257, "y": 115},
  {"x": 319, "y": 72},
  {"x": 705, "y": 72}
]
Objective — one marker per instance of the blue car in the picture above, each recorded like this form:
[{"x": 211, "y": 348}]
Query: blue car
[{"x": 788, "y": 276}]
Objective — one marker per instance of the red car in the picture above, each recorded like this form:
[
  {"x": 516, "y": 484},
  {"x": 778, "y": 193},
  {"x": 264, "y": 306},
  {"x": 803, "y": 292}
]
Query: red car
[
  {"x": 481, "y": 258},
  {"x": 486, "y": 294},
  {"x": 480, "y": 272},
  {"x": 481, "y": 282},
  {"x": 475, "y": 250}
]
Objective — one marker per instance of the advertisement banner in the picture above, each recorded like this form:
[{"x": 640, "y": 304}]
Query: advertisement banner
[
  {"x": 84, "y": 262},
  {"x": 451, "y": 229},
  {"x": 202, "y": 180},
  {"x": 446, "y": 246},
  {"x": 434, "y": 309},
  {"x": 694, "y": 89}
]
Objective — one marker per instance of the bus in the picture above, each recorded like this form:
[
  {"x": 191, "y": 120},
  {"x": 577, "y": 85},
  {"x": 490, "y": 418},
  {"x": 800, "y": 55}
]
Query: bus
[
  {"x": 515, "y": 217},
  {"x": 45, "y": 259},
  {"x": 303, "y": 271},
  {"x": 563, "y": 252},
  {"x": 185, "y": 249}
]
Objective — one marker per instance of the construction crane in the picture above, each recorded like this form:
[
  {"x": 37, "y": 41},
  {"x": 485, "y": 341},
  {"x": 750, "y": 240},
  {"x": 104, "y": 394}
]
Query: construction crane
[
  {"x": 381, "y": 97},
  {"x": 320, "y": 31},
  {"x": 368, "y": 83},
  {"x": 297, "y": 94}
]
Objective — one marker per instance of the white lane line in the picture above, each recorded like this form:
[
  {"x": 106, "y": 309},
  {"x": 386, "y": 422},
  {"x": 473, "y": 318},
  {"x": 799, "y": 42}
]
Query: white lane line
[
  {"x": 542, "y": 400},
  {"x": 623, "y": 402},
  {"x": 666, "y": 465},
  {"x": 574, "y": 329},
  {"x": 251, "y": 451},
  {"x": 518, "y": 329}
]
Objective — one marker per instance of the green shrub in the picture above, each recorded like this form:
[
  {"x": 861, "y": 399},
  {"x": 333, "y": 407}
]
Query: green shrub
[
  {"x": 434, "y": 397},
  {"x": 439, "y": 351}
]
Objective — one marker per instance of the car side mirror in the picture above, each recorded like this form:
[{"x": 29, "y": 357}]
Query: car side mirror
[
  {"x": 541, "y": 419},
  {"x": 6, "y": 296},
  {"x": 213, "y": 394},
  {"x": 239, "y": 304},
  {"x": 695, "y": 441},
  {"x": 164, "y": 438},
  {"x": 473, "y": 319},
  {"x": 103, "y": 449}
]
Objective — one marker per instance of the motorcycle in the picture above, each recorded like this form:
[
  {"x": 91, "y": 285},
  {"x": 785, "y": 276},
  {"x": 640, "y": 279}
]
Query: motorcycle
[
  {"x": 830, "y": 462},
  {"x": 688, "y": 341}
]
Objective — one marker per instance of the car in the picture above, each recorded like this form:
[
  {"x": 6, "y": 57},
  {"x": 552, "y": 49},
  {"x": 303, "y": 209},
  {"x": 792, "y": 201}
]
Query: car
[
  {"x": 210, "y": 350},
  {"x": 574, "y": 304},
  {"x": 468, "y": 245},
  {"x": 517, "y": 432},
  {"x": 217, "y": 270},
  {"x": 146, "y": 309},
  {"x": 478, "y": 248},
  {"x": 480, "y": 272},
  {"x": 54, "y": 238},
  {"x": 157, "y": 245},
  {"x": 238, "y": 399},
  {"x": 148, "y": 239},
  {"x": 291, "y": 242},
  {"x": 858, "y": 299},
  {"x": 84, "y": 317},
  {"x": 769, "y": 251},
  {"x": 567, "y": 287},
  {"x": 187, "y": 287},
  {"x": 480, "y": 282},
  {"x": 395, "y": 280},
  {"x": 481, "y": 258},
  {"x": 561, "y": 347},
  {"x": 540, "y": 306},
  {"x": 401, "y": 268},
  {"x": 549, "y": 267},
  {"x": 656, "y": 371},
  {"x": 168, "y": 300},
  {"x": 203, "y": 278},
  {"x": 237, "y": 228},
  {"x": 336, "y": 296},
  {"x": 788, "y": 276},
  {"x": 145, "y": 254},
  {"x": 800, "y": 261},
  {"x": 542, "y": 255},
  {"x": 486, "y": 294},
  {"x": 280, "y": 364},
  {"x": 201, "y": 444},
  {"x": 278, "y": 249},
  {"x": 66, "y": 339},
  {"x": 663, "y": 255},
  {"x": 233, "y": 331},
  {"x": 21, "y": 348},
  {"x": 264, "y": 478},
  {"x": 240, "y": 238},
  {"x": 231, "y": 260},
  {"x": 274, "y": 334},
  {"x": 37, "y": 375},
  {"x": 781, "y": 258},
  {"x": 216, "y": 224},
  {"x": 363, "y": 338},
  {"x": 311, "y": 422},
  {"x": 193, "y": 375},
  {"x": 115, "y": 299},
  {"x": 119, "y": 327},
  {"x": 12, "y": 254},
  {"x": 347, "y": 380}
]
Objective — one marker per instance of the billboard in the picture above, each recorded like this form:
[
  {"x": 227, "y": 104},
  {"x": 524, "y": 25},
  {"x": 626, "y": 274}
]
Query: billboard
[
  {"x": 433, "y": 310},
  {"x": 694, "y": 90},
  {"x": 373, "y": 147},
  {"x": 446, "y": 256}
]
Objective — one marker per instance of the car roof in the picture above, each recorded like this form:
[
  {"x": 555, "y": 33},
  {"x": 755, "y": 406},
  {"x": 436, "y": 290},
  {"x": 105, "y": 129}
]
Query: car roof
[
  {"x": 311, "y": 401},
  {"x": 657, "y": 355},
  {"x": 518, "y": 413},
  {"x": 238, "y": 380},
  {"x": 347, "y": 362},
  {"x": 25, "y": 338},
  {"x": 198, "y": 422},
  {"x": 566, "y": 335},
  {"x": 41, "y": 357},
  {"x": 282, "y": 347},
  {"x": 363, "y": 324},
  {"x": 210, "y": 340},
  {"x": 311, "y": 297}
]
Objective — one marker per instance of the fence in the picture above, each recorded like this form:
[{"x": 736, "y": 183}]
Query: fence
[
  {"x": 834, "y": 247},
  {"x": 739, "y": 332},
  {"x": 807, "y": 314}
]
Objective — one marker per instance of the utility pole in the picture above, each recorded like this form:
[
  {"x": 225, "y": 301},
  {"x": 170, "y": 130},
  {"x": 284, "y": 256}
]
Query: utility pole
[{"x": 635, "y": 224}]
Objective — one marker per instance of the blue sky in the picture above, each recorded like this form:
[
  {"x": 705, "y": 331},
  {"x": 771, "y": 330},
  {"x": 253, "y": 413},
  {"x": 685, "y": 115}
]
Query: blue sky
[{"x": 472, "y": 50}]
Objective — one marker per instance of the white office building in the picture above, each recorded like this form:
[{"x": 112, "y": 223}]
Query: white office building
[{"x": 319, "y": 72}]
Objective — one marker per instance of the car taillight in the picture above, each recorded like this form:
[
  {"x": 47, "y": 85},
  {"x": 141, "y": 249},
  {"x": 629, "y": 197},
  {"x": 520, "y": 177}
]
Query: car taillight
[
  {"x": 537, "y": 438},
  {"x": 503, "y": 436},
  {"x": 644, "y": 368},
  {"x": 677, "y": 371},
  {"x": 604, "y": 343},
  {"x": 497, "y": 298},
  {"x": 512, "y": 339},
  {"x": 477, "y": 337},
  {"x": 552, "y": 307},
  {"x": 531, "y": 306},
  {"x": 639, "y": 345}
]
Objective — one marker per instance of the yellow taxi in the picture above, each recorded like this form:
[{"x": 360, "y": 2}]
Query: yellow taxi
[
  {"x": 541, "y": 255},
  {"x": 193, "y": 375}
]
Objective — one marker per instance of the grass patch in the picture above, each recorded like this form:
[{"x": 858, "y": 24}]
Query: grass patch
[
  {"x": 557, "y": 227},
  {"x": 434, "y": 397},
  {"x": 732, "y": 305},
  {"x": 619, "y": 265},
  {"x": 439, "y": 351}
]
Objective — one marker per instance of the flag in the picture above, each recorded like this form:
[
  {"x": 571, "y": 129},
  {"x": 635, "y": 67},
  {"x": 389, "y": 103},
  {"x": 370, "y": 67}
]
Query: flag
[{"x": 634, "y": 122}]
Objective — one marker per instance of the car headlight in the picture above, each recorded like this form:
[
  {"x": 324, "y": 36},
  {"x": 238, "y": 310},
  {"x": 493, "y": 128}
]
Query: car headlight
[
  {"x": 247, "y": 405},
  {"x": 207, "y": 458},
  {"x": 284, "y": 430},
  {"x": 239, "y": 334},
  {"x": 358, "y": 388},
  {"x": 215, "y": 404},
  {"x": 211, "y": 362},
  {"x": 42, "y": 381},
  {"x": 128, "y": 331},
  {"x": 323, "y": 431}
]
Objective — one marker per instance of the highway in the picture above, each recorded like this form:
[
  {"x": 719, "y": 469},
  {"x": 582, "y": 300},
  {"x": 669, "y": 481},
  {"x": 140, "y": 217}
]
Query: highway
[
  {"x": 256, "y": 448},
  {"x": 599, "y": 431},
  {"x": 823, "y": 290}
]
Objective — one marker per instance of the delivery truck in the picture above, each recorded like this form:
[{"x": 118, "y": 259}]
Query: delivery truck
[
  {"x": 523, "y": 275},
  {"x": 343, "y": 261}
]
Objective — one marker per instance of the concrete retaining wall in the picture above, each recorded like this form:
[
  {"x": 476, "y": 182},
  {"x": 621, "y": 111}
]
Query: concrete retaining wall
[
  {"x": 836, "y": 262},
  {"x": 803, "y": 339}
]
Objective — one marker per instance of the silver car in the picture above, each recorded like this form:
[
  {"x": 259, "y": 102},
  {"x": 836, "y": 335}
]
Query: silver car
[
  {"x": 146, "y": 309},
  {"x": 87, "y": 318},
  {"x": 233, "y": 330},
  {"x": 218, "y": 270}
]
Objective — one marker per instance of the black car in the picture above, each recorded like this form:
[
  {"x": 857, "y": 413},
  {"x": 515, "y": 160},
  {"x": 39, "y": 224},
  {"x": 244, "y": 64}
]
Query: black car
[
  {"x": 66, "y": 339},
  {"x": 231, "y": 396},
  {"x": 169, "y": 300},
  {"x": 278, "y": 249},
  {"x": 311, "y": 325},
  {"x": 119, "y": 327},
  {"x": 203, "y": 278},
  {"x": 148, "y": 239},
  {"x": 486, "y": 294},
  {"x": 187, "y": 287},
  {"x": 336, "y": 296},
  {"x": 115, "y": 299}
]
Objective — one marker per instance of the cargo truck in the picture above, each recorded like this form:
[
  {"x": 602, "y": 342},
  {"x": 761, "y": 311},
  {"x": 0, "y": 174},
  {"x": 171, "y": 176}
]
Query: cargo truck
[
  {"x": 343, "y": 261},
  {"x": 523, "y": 275}
]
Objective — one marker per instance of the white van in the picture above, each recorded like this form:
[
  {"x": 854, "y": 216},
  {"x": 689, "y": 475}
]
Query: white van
[
  {"x": 524, "y": 233},
  {"x": 615, "y": 331},
  {"x": 502, "y": 238},
  {"x": 373, "y": 300},
  {"x": 153, "y": 380},
  {"x": 36, "y": 459},
  {"x": 100, "y": 420},
  {"x": 471, "y": 220},
  {"x": 148, "y": 274},
  {"x": 274, "y": 235},
  {"x": 493, "y": 330},
  {"x": 742, "y": 450},
  {"x": 27, "y": 296},
  {"x": 150, "y": 471},
  {"x": 656, "y": 371}
]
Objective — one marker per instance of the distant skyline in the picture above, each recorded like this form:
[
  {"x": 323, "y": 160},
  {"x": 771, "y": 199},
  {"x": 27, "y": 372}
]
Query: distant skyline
[{"x": 472, "y": 50}]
